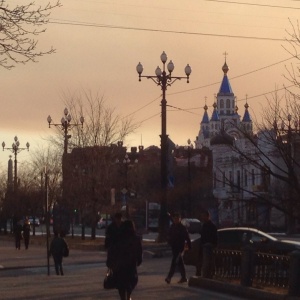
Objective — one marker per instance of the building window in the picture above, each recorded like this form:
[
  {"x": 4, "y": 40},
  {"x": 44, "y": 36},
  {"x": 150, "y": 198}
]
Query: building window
[
  {"x": 221, "y": 103},
  {"x": 245, "y": 178},
  {"x": 227, "y": 103},
  {"x": 238, "y": 180},
  {"x": 253, "y": 177},
  {"x": 230, "y": 179},
  {"x": 215, "y": 180}
]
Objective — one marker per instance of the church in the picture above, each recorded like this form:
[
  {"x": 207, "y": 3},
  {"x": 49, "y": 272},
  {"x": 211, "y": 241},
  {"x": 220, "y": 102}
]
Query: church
[{"x": 238, "y": 184}]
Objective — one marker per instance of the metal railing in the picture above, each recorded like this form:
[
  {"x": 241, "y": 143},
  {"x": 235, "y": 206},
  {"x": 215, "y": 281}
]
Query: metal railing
[{"x": 265, "y": 269}]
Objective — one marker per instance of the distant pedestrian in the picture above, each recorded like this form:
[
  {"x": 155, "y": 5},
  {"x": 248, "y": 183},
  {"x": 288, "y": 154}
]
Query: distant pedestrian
[
  {"x": 208, "y": 241},
  {"x": 178, "y": 237},
  {"x": 58, "y": 247},
  {"x": 127, "y": 256},
  {"x": 26, "y": 232},
  {"x": 112, "y": 233},
  {"x": 18, "y": 234}
]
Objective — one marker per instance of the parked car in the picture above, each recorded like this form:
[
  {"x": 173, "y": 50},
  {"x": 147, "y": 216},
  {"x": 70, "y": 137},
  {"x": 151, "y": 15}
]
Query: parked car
[
  {"x": 102, "y": 223},
  {"x": 34, "y": 221},
  {"x": 192, "y": 225},
  {"x": 236, "y": 238}
]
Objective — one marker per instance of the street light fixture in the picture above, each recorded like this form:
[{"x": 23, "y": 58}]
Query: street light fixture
[
  {"x": 164, "y": 79},
  {"x": 15, "y": 149},
  {"x": 287, "y": 139},
  {"x": 189, "y": 149},
  {"x": 126, "y": 162},
  {"x": 65, "y": 125}
]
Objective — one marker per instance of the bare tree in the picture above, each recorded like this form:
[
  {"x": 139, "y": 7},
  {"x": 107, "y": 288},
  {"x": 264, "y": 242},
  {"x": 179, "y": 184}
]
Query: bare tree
[
  {"x": 103, "y": 126},
  {"x": 19, "y": 26},
  {"x": 292, "y": 47}
]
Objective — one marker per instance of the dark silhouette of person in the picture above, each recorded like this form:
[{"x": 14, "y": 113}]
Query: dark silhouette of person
[
  {"x": 208, "y": 241},
  {"x": 57, "y": 249},
  {"x": 26, "y": 233},
  {"x": 178, "y": 236},
  {"x": 127, "y": 256},
  {"x": 18, "y": 234},
  {"x": 112, "y": 232}
]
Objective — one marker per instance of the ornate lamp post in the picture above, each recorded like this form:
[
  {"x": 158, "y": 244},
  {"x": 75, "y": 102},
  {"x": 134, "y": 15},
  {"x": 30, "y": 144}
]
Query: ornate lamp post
[
  {"x": 163, "y": 79},
  {"x": 65, "y": 126},
  {"x": 15, "y": 149},
  {"x": 289, "y": 140},
  {"x": 126, "y": 162},
  {"x": 189, "y": 149}
]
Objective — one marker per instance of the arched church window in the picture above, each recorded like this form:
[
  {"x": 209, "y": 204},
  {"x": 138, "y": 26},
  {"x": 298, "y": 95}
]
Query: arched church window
[
  {"x": 221, "y": 103},
  {"x": 227, "y": 103}
]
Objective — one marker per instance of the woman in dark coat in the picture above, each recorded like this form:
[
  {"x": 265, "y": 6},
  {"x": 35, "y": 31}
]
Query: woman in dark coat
[{"x": 127, "y": 256}]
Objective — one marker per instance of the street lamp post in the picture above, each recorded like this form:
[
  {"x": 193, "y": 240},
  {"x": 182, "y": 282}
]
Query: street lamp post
[
  {"x": 65, "y": 126},
  {"x": 126, "y": 162},
  {"x": 163, "y": 79},
  {"x": 189, "y": 148},
  {"x": 15, "y": 149},
  {"x": 292, "y": 177}
]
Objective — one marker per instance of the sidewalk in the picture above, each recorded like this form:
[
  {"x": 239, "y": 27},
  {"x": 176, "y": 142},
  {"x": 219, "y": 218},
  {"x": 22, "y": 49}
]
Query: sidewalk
[{"x": 23, "y": 274}]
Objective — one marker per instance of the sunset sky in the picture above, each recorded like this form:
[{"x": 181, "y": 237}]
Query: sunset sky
[{"x": 99, "y": 43}]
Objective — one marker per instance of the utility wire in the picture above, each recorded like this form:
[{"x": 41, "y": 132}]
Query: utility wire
[
  {"x": 238, "y": 76},
  {"x": 164, "y": 31},
  {"x": 254, "y": 4}
]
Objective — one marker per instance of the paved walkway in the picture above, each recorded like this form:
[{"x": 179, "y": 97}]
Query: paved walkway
[{"x": 23, "y": 276}]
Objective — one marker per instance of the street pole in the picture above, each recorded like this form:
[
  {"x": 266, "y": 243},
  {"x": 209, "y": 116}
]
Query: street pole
[
  {"x": 47, "y": 221},
  {"x": 164, "y": 80},
  {"x": 15, "y": 149}
]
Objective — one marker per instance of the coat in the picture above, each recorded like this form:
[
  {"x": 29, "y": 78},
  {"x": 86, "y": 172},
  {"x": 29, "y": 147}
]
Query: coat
[
  {"x": 126, "y": 255},
  {"x": 57, "y": 247},
  {"x": 177, "y": 237}
]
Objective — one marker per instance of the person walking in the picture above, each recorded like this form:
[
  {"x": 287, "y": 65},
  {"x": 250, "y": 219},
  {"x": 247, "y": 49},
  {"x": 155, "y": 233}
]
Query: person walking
[
  {"x": 127, "y": 257},
  {"x": 18, "y": 234},
  {"x": 208, "y": 241},
  {"x": 26, "y": 233},
  {"x": 112, "y": 232},
  {"x": 178, "y": 237},
  {"x": 57, "y": 249}
]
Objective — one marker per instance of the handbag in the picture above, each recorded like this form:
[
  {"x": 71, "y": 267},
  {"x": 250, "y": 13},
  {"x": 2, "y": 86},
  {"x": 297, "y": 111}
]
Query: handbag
[
  {"x": 109, "y": 280},
  {"x": 66, "y": 251}
]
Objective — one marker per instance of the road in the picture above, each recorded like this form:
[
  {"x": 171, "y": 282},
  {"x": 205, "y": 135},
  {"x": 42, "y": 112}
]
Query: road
[{"x": 84, "y": 281}]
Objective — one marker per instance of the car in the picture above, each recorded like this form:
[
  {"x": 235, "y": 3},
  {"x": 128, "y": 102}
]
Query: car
[
  {"x": 235, "y": 238},
  {"x": 192, "y": 225},
  {"x": 34, "y": 221},
  {"x": 103, "y": 223}
]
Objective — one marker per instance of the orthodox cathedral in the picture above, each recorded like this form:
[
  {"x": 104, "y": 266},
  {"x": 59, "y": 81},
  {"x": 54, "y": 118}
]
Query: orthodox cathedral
[
  {"x": 237, "y": 184},
  {"x": 224, "y": 117}
]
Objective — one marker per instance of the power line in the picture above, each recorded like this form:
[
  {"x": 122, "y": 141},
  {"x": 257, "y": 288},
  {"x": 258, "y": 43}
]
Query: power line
[
  {"x": 238, "y": 76},
  {"x": 254, "y": 4},
  {"x": 83, "y": 24}
]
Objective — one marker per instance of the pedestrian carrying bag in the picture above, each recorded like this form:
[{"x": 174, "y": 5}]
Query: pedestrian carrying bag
[{"x": 109, "y": 280}]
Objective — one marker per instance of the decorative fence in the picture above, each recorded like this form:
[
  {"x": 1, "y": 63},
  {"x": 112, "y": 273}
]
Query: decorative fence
[{"x": 250, "y": 268}]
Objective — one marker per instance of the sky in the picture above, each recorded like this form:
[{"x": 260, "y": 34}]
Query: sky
[{"x": 99, "y": 43}]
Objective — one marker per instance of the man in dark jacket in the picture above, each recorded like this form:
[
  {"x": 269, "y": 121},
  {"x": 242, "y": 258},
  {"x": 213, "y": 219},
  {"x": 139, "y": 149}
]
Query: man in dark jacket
[
  {"x": 178, "y": 237},
  {"x": 208, "y": 241},
  {"x": 57, "y": 249}
]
